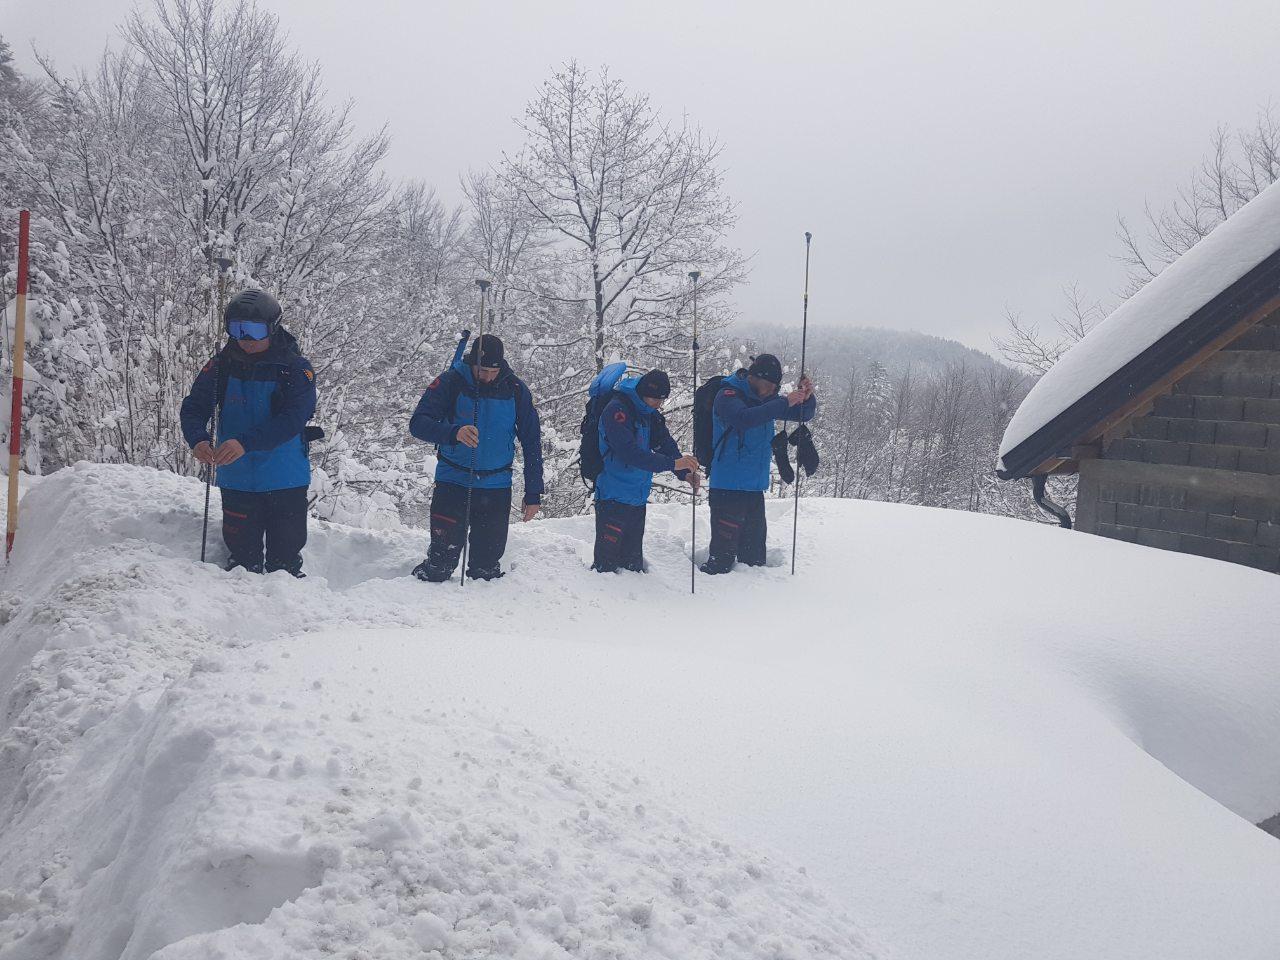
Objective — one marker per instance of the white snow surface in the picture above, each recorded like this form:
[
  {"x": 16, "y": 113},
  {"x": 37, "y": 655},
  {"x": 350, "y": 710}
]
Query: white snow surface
[
  {"x": 1230, "y": 251},
  {"x": 949, "y": 737}
]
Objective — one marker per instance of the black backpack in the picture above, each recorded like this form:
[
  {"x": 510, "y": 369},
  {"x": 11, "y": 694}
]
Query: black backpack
[
  {"x": 704, "y": 399},
  {"x": 599, "y": 393}
]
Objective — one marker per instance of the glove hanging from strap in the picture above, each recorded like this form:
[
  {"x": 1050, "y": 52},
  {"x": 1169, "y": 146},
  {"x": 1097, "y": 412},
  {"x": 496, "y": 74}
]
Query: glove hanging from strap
[
  {"x": 780, "y": 457},
  {"x": 806, "y": 452}
]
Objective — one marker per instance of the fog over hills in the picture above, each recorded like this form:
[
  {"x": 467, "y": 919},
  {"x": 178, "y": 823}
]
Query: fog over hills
[{"x": 833, "y": 350}]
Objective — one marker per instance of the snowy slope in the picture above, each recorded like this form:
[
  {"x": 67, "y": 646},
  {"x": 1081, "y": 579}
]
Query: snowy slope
[
  {"x": 924, "y": 746},
  {"x": 1234, "y": 248}
]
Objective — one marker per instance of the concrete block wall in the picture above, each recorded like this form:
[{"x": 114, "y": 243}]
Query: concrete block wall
[{"x": 1201, "y": 473}]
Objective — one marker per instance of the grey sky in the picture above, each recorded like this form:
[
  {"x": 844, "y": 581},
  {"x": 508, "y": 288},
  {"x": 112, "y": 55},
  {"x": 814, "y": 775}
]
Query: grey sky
[{"x": 950, "y": 159}]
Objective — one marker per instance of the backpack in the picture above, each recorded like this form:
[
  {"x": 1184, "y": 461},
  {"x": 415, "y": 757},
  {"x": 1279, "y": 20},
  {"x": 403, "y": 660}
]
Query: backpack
[
  {"x": 599, "y": 393},
  {"x": 704, "y": 399}
]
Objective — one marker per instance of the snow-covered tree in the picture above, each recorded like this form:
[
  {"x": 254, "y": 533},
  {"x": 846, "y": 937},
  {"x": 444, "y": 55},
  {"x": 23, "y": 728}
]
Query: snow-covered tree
[{"x": 629, "y": 204}]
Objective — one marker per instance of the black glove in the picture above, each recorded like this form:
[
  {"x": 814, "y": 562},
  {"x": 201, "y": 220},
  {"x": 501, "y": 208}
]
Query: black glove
[
  {"x": 779, "y": 444},
  {"x": 806, "y": 452},
  {"x": 309, "y": 436}
]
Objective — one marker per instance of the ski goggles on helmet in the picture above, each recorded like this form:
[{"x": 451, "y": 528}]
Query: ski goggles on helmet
[{"x": 248, "y": 330}]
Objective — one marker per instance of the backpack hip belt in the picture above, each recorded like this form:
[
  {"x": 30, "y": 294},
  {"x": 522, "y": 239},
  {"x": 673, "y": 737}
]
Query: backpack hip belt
[{"x": 479, "y": 473}]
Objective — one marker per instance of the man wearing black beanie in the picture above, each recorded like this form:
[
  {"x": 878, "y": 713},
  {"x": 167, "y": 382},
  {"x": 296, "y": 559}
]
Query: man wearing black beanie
[
  {"x": 474, "y": 413},
  {"x": 635, "y": 444},
  {"x": 742, "y": 426}
]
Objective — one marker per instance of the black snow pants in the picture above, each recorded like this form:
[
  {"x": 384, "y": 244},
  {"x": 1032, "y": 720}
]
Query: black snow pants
[
  {"x": 490, "y": 517},
  {"x": 619, "y": 536},
  {"x": 737, "y": 529},
  {"x": 278, "y": 517}
]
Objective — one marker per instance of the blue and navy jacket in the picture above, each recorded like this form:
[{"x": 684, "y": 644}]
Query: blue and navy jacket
[
  {"x": 264, "y": 401},
  {"x": 741, "y": 430},
  {"x": 635, "y": 444},
  {"x": 504, "y": 413}
]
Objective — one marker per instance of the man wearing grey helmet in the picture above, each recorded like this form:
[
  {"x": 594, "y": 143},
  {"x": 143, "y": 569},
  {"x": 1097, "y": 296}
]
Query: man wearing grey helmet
[{"x": 263, "y": 391}]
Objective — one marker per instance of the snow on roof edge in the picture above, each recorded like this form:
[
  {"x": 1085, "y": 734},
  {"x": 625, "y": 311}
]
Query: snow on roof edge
[{"x": 1234, "y": 248}]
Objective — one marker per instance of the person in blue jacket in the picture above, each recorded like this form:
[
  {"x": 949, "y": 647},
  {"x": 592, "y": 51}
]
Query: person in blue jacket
[
  {"x": 742, "y": 420},
  {"x": 635, "y": 444},
  {"x": 264, "y": 392},
  {"x": 503, "y": 412}
]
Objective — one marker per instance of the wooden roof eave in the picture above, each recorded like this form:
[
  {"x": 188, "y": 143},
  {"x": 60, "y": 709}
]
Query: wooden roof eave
[{"x": 1118, "y": 399}]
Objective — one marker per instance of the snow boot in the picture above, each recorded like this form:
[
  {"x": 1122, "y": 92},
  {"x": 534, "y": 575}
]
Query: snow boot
[
  {"x": 716, "y": 565},
  {"x": 485, "y": 573},
  {"x": 429, "y": 573},
  {"x": 232, "y": 563},
  {"x": 292, "y": 567}
]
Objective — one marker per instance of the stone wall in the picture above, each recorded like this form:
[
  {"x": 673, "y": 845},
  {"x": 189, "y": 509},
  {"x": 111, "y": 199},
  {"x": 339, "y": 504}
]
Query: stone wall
[{"x": 1201, "y": 472}]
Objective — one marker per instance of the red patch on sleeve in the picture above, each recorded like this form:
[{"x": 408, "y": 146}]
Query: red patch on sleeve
[
  {"x": 433, "y": 384},
  {"x": 620, "y": 416},
  {"x": 207, "y": 367},
  {"x": 730, "y": 392}
]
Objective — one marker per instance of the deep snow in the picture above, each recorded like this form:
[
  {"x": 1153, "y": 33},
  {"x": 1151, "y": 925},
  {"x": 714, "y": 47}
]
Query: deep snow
[
  {"x": 1230, "y": 251},
  {"x": 968, "y": 737}
]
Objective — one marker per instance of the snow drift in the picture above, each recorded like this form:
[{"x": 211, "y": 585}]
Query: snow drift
[{"x": 951, "y": 736}]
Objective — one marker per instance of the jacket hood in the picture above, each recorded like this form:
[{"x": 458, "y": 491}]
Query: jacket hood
[
  {"x": 628, "y": 389},
  {"x": 738, "y": 380},
  {"x": 505, "y": 374}
]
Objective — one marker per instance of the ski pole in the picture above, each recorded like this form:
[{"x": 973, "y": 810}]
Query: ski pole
[
  {"x": 223, "y": 265},
  {"x": 693, "y": 517},
  {"x": 804, "y": 336},
  {"x": 208, "y": 467},
  {"x": 475, "y": 413},
  {"x": 204, "y": 531}
]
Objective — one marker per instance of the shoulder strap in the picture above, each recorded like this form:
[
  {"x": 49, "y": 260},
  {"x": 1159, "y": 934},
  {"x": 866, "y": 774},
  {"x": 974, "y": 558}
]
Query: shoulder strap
[
  {"x": 223, "y": 374},
  {"x": 284, "y": 381},
  {"x": 719, "y": 447}
]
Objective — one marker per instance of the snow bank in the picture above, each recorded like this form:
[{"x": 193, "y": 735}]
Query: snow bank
[
  {"x": 922, "y": 730},
  {"x": 169, "y": 789},
  {"x": 1233, "y": 249}
]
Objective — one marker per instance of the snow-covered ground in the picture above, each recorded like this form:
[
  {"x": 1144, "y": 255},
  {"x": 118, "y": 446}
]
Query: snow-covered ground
[{"x": 950, "y": 736}]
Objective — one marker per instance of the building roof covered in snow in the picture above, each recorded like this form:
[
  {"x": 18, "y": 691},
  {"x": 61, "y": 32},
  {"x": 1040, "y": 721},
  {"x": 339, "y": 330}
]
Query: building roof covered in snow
[{"x": 1211, "y": 295}]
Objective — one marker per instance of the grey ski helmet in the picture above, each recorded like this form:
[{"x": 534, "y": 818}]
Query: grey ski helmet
[{"x": 255, "y": 305}]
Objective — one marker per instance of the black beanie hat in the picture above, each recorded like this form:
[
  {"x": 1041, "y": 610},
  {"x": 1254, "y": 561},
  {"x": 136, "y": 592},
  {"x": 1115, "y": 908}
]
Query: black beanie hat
[
  {"x": 491, "y": 356},
  {"x": 766, "y": 367},
  {"x": 655, "y": 384}
]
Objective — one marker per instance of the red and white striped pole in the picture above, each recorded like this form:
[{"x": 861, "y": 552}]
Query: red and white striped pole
[{"x": 19, "y": 352}]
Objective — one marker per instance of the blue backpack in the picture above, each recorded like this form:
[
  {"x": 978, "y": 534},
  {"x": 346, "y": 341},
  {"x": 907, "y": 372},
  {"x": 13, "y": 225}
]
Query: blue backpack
[{"x": 599, "y": 393}]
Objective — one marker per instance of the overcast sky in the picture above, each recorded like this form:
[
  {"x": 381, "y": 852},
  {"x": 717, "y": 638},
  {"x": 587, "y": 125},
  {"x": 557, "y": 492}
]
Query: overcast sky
[{"x": 951, "y": 159}]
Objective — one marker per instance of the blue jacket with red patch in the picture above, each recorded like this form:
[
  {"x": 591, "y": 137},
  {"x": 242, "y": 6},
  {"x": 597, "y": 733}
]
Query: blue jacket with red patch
[
  {"x": 264, "y": 401},
  {"x": 503, "y": 411},
  {"x": 635, "y": 444},
  {"x": 741, "y": 430}
]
